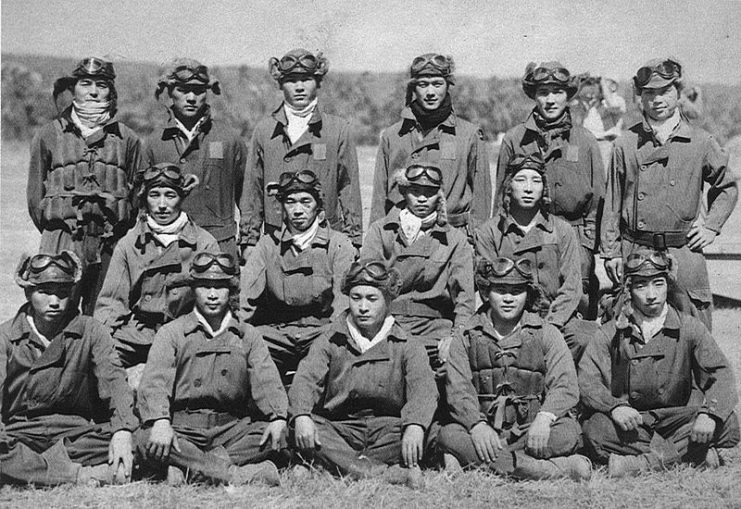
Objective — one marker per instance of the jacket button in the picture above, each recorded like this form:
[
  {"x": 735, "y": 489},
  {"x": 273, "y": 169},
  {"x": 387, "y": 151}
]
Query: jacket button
[
  {"x": 641, "y": 196},
  {"x": 661, "y": 390},
  {"x": 641, "y": 225},
  {"x": 672, "y": 182},
  {"x": 635, "y": 395},
  {"x": 287, "y": 158},
  {"x": 415, "y": 155},
  {"x": 147, "y": 298},
  {"x": 224, "y": 372},
  {"x": 634, "y": 361},
  {"x": 643, "y": 167},
  {"x": 183, "y": 160},
  {"x": 197, "y": 382}
]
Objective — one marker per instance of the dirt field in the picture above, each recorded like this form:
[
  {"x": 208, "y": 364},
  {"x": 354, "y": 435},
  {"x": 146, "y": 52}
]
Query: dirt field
[{"x": 681, "y": 487}]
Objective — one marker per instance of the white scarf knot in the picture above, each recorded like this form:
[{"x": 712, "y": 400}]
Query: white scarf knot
[
  {"x": 90, "y": 116},
  {"x": 413, "y": 227},
  {"x": 363, "y": 344},
  {"x": 298, "y": 120},
  {"x": 168, "y": 233}
]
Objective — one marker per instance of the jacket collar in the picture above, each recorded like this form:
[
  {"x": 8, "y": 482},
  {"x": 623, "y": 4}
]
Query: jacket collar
[
  {"x": 683, "y": 132},
  {"x": 172, "y": 130},
  {"x": 482, "y": 321},
  {"x": 192, "y": 324},
  {"x": 279, "y": 115},
  {"x": 672, "y": 324},
  {"x": 339, "y": 326},
  {"x": 392, "y": 222},
  {"x": 110, "y": 127},
  {"x": 188, "y": 235},
  {"x": 321, "y": 239},
  {"x": 409, "y": 121},
  {"x": 542, "y": 221},
  {"x": 20, "y": 328}
]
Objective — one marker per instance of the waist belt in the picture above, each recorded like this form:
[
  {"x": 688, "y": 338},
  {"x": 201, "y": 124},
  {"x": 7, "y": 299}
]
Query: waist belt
[
  {"x": 202, "y": 418},
  {"x": 410, "y": 308},
  {"x": 459, "y": 220},
  {"x": 657, "y": 240}
]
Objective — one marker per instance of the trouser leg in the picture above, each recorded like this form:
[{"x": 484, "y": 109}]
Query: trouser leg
[
  {"x": 590, "y": 285},
  {"x": 383, "y": 440},
  {"x": 288, "y": 345},
  {"x": 242, "y": 443}
]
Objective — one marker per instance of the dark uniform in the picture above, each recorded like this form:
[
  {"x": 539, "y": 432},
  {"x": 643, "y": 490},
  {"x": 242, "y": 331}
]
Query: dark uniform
[
  {"x": 576, "y": 177},
  {"x": 78, "y": 188},
  {"x": 218, "y": 392},
  {"x": 361, "y": 402},
  {"x": 326, "y": 148},
  {"x": 61, "y": 402}
]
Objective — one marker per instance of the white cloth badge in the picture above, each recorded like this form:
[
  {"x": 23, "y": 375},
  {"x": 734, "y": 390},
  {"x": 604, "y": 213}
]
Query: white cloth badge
[{"x": 216, "y": 150}]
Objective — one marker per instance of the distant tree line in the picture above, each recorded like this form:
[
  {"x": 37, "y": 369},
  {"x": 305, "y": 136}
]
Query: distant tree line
[{"x": 371, "y": 100}]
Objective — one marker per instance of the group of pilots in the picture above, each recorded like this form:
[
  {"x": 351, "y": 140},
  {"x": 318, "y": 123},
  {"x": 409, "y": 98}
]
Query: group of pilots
[{"x": 164, "y": 338}]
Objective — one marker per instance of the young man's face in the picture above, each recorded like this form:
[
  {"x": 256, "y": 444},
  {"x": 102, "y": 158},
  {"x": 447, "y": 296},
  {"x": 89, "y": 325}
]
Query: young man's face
[
  {"x": 507, "y": 302},
  {"x": 551, "y": 101},
  {"x": 429, "y": 92},
  {"x": 421, "y": 200},
  {"x": 90, "y": 89},
  {"x": 188, "y": 100},
  {"x": 368, "y": 308},
  {"x": 660, "y": 103},
  {"x": 300, "y": 209},
  {"x": 163, "y": 205},
  {"x": 648, "y": 294},
  {"x": 49, "y": 302},
  {"x": 212, "y": 299},
  {"x": 527, "y": 189},
  {"x": 299, "y": 90}
]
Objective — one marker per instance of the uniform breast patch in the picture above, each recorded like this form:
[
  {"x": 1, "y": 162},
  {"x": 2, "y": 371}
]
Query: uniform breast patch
[
  {"x": 572, "y": 153},
  {"x": 319, "y": 150},
  {"x": 216, "y": 150},
  {"x": 447, "y": 150}
]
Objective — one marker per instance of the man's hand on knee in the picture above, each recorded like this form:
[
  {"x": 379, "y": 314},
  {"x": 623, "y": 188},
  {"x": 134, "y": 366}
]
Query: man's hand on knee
[
  {"x": 161, "y": 438},
  {"x": 306, "y": 435},
  {"x": 486, "y": 442},
  {"x": 538, "y": 435},
  {"x": 412, "y": 444},
  {"x": 276, "y": 432},
  {"x": 628, "y": 418},
  {"x": 120, "y": 452}
]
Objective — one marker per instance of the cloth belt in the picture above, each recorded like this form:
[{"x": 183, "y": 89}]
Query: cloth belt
[
  {"x": 657, "y": 240},
  {"x": 459, "y": 220},
  {"x": 202, "y": 418},
  {"x": 410, "y": 308}
]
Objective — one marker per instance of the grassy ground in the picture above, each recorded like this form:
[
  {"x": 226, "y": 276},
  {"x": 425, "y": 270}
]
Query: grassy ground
[{"x": 681, "y": 487}]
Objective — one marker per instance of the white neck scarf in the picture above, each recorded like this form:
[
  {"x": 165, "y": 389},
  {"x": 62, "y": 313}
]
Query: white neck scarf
[
  {"x": 413, "y": 227},
  {"x": 209, "y": 331},
  {"x": 298, "y": 120},
  {"x": 300, "y": 241},
  {"x": 664, "y": 128},
  {"x": 650, "y": 325},
  {"x": 90, "y": 116},
  {"x": 169, "y": 233},
  {"x": 192, "y": 133},
  {"x": 363, "y": 344},
  {"x": 44, "y": 340}
]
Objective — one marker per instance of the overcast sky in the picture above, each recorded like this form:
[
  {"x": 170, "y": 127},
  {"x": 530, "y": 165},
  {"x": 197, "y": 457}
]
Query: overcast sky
[{"x": 486, "y": 37}]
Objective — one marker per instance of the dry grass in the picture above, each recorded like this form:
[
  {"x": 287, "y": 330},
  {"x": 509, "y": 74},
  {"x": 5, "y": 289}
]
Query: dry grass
[{"x": 681, "y": 487}]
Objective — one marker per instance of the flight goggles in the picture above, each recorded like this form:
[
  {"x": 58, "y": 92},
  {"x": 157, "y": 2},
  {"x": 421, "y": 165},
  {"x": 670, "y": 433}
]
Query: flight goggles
[
  {"x": 186, "y": 73},
  {"x": 667, "y": 69},
  {"x": 636, "y": 261},
  {"x": 543, "y": 73},
  {"x": 289, "y": 63},
  {"x": 417, "y": 172},
  {"x": 40, "y": 262},
  {"x": 93, "y": 66},
  {"x": 502, "y": 266},
  {"x": 375, "y": 269},
  {"x": 302, "y": 176},
  {"x": 203, "y": 261},
  {"x": 169, "y": 171},
  {"x": 438, "y": 62}
]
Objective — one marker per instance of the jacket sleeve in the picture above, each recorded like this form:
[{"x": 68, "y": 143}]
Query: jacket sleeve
[
  {"x": 158, "y": 380},
  {"x": 723, "y": 192},
  {"x": 506, "y": 151},
  {"x": 569, "y": 268},
  {"x": 595, "y": 375},
  {"x": 380, "y": 180},
  {"x": 561, "y": 386},
  {"x": 239, "y": 166},
  {"x": 252, "y": 202},
  {"x": 268, "y": 393},
  {"x": 348, "y": 187},
  {"x": 253, "y": 279},
  {"x": 613, "y": 202},
  {"x": 598, "y": 195},
  {"x": 342, "y": 255},
  {"x": 713, "y": 374},
  {"x": 310, "y": 379},
  {"x": 463, "y": 400},
  {"x": 479, "y": 178},
  {"x": 421, "y": 389},
  {"x": 486, "y": 239},
  {"x": 38, "y": 168},
  {"x": 460, "y": 282},
  {"x": 373, "y": 243},
  {"x": 112, "y": 385},
  {"x": 112, "y": 308}
]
